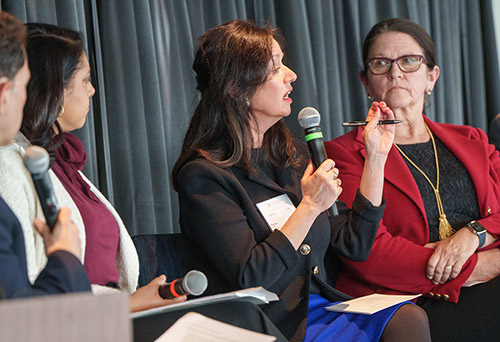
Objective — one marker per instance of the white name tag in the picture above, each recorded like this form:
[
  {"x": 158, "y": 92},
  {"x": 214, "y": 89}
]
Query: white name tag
[{"x": 276, "y": 210}]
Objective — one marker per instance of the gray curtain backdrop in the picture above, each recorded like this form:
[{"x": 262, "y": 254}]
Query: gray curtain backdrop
[{"x": 141, "y": 53}]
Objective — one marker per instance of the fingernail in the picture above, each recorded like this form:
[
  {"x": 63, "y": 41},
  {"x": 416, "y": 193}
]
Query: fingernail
[
  {"x": 429, "y": 277},
  {"x": 382, "y": 104}
]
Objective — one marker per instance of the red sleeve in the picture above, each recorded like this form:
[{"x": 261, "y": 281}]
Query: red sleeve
[{"x": 490, "y": 205}]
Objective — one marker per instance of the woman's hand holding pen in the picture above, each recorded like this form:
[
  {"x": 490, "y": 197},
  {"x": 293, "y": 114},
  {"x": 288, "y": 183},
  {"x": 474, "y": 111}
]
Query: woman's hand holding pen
[
  {"x": 378, "y": 142},
  {"x": 378, "y": 138}
]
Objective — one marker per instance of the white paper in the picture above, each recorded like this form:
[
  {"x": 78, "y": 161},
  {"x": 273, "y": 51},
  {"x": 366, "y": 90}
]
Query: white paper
[
  {"x": 276, "y": 210},
  {"x": 370, "y": 304},
  {"x": 257, "y": 295},
  {"x": 196, "y": 327}
]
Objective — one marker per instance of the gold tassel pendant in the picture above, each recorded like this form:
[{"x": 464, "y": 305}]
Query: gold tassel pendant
[{"x": 445, "y": 228}]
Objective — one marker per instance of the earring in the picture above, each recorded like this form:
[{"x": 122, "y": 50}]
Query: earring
[
  {"x": 369, "y": 97},
  {"x": 429, "y": 92},
  {"x": 61, "y": 112},
  {"x": 247, "y": 102}
]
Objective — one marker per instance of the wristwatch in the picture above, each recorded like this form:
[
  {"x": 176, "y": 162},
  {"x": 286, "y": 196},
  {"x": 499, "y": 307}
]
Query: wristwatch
[{"x": 478, "y": 229}]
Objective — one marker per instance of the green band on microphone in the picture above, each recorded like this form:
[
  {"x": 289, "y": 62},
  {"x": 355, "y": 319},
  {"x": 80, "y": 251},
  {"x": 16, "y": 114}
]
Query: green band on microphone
[{"x": 316, "y": 135}]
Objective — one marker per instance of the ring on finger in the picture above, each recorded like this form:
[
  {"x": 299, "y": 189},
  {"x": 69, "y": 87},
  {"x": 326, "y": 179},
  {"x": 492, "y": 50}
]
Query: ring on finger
[{"x": 448, "y": 267}]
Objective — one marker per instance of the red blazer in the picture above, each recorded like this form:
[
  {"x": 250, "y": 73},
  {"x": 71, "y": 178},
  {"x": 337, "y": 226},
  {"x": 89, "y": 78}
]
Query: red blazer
[{"x": 398, "y": 260}]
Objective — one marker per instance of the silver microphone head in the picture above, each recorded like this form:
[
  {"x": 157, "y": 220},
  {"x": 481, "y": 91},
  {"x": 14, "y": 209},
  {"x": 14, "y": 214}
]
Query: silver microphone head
[
  {"x": 309, "y": 117},
  {"x": 36, "y": 159},
  {"x": 195, "y": 282}
]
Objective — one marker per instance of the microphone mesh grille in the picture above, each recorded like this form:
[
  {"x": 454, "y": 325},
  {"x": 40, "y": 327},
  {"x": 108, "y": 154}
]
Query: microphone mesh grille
[
  {"x": 36, "y": 159},
  {"x": 309, "y": 117},
  {"x": 195, "y": 282}
]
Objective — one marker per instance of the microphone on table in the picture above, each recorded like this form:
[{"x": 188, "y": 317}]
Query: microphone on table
[
  {"x": 36, "y": 160},
  {"x": 193, "y": 283},
  {"x": 309, "y": 120}
]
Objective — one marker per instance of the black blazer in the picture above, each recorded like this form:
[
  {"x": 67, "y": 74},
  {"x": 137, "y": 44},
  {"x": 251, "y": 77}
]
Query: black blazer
[
  {"x": 233, "y": 244},
  {"x": 63, "y": 272}
]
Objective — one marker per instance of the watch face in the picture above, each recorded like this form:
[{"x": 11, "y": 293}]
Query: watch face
[
  {"x": 478, "y": 227},
  {"x": 480, "y": 231}
]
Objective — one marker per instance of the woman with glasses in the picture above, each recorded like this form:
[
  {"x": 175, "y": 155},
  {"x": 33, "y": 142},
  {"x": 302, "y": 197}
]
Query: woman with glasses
[{"x": 439, "y": 233}]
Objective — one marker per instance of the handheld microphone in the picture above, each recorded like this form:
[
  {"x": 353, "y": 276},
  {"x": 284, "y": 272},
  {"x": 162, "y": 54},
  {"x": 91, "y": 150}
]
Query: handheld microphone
[
  {"x": 193, "y": 283},
  {"x": 36, "y": 160},
  {"x": 309, "y": 120}
]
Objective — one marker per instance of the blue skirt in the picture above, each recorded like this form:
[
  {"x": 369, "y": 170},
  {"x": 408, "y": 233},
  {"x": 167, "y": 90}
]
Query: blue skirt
[{"x": 324, "y": 325}]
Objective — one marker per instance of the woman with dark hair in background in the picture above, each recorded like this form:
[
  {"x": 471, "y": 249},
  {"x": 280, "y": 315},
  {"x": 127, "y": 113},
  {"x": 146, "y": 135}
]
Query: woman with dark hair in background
[
  {"x": 63, "y": 272},
  {"x": 439, "y": 234},
  {"x": 239, "y": 169},
  {"x": 58, "y": 95}
]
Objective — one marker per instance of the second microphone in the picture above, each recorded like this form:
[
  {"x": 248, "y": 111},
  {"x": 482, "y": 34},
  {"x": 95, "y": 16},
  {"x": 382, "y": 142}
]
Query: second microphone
[{"x": 194, "y": 283}]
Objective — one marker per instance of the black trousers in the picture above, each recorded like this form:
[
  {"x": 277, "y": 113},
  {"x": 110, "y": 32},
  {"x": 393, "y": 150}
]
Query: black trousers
[
  {"x": 476, "y": 316},
  {"x": 238, "y": 313}
]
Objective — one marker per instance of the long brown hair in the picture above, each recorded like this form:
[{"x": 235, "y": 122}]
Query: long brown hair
[{"x": 232, "y": 61}]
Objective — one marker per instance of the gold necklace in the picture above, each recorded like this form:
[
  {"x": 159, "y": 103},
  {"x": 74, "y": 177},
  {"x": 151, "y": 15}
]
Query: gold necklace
[{"x": 445, "y": 228}]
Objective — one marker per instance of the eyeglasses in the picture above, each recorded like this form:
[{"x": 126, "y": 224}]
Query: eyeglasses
[{"x": 408, "y": 63}]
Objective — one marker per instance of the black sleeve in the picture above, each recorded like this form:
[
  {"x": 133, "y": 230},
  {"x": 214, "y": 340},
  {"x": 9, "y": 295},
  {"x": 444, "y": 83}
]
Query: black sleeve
[
  {"x": 63, "y": 273},
  {"x": 354, "y": 230}
]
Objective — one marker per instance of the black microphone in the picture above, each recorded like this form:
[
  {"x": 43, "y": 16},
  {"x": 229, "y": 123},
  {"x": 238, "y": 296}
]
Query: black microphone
[
  {"x": 309, "y": 120},
  {"x": 36, "y": 160},
  {"x": 193, "y": 283}
]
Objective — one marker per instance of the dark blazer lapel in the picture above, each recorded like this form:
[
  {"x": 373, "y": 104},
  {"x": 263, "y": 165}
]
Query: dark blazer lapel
[
  {"x": 398, "y": 174},
  {"x": 262, "y": 179},
  {"x": 283, "y": 178},
  {"x": 288, "y": 183}
]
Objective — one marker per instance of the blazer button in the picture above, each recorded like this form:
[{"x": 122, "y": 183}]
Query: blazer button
[
  {"x": 315, "y": 270},
  {"x": 446, "y": 297},
  {"x": 437, "y": 296},
  {"x": 431, "y": 294},
  {"x": 305, "y": 249},
  {"x": 489, "y": 210}
]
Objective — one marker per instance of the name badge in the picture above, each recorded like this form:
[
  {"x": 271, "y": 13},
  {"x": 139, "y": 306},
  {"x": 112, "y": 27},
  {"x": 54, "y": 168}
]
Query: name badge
[{"x": 276, "y": 210}]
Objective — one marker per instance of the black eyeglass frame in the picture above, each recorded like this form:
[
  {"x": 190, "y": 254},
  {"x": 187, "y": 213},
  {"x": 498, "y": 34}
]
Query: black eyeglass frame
[{"x": 421, "y": 60}]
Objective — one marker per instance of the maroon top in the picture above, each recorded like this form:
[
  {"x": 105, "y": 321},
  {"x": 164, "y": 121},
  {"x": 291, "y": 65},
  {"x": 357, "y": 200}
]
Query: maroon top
[{"x": 101, "y": 229}]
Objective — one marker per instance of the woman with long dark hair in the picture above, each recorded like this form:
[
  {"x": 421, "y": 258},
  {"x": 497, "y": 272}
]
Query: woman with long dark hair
[{"x": 253, "y": 215}]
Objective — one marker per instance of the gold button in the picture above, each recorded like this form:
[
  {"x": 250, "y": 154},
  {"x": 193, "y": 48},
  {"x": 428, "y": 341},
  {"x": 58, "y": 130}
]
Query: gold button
[
  {"x": 489, "y": 210},
  {"x": 305, "y": 249},
  {"x": 437, "y": 296},
  {"x": 446, "y": 297},
  {"x": 315, "y": 270},
  {"x": 431, "y": 294}
]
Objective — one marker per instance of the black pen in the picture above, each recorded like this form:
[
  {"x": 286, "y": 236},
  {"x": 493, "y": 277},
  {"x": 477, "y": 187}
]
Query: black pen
[{"x": 363, "y": 123}]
